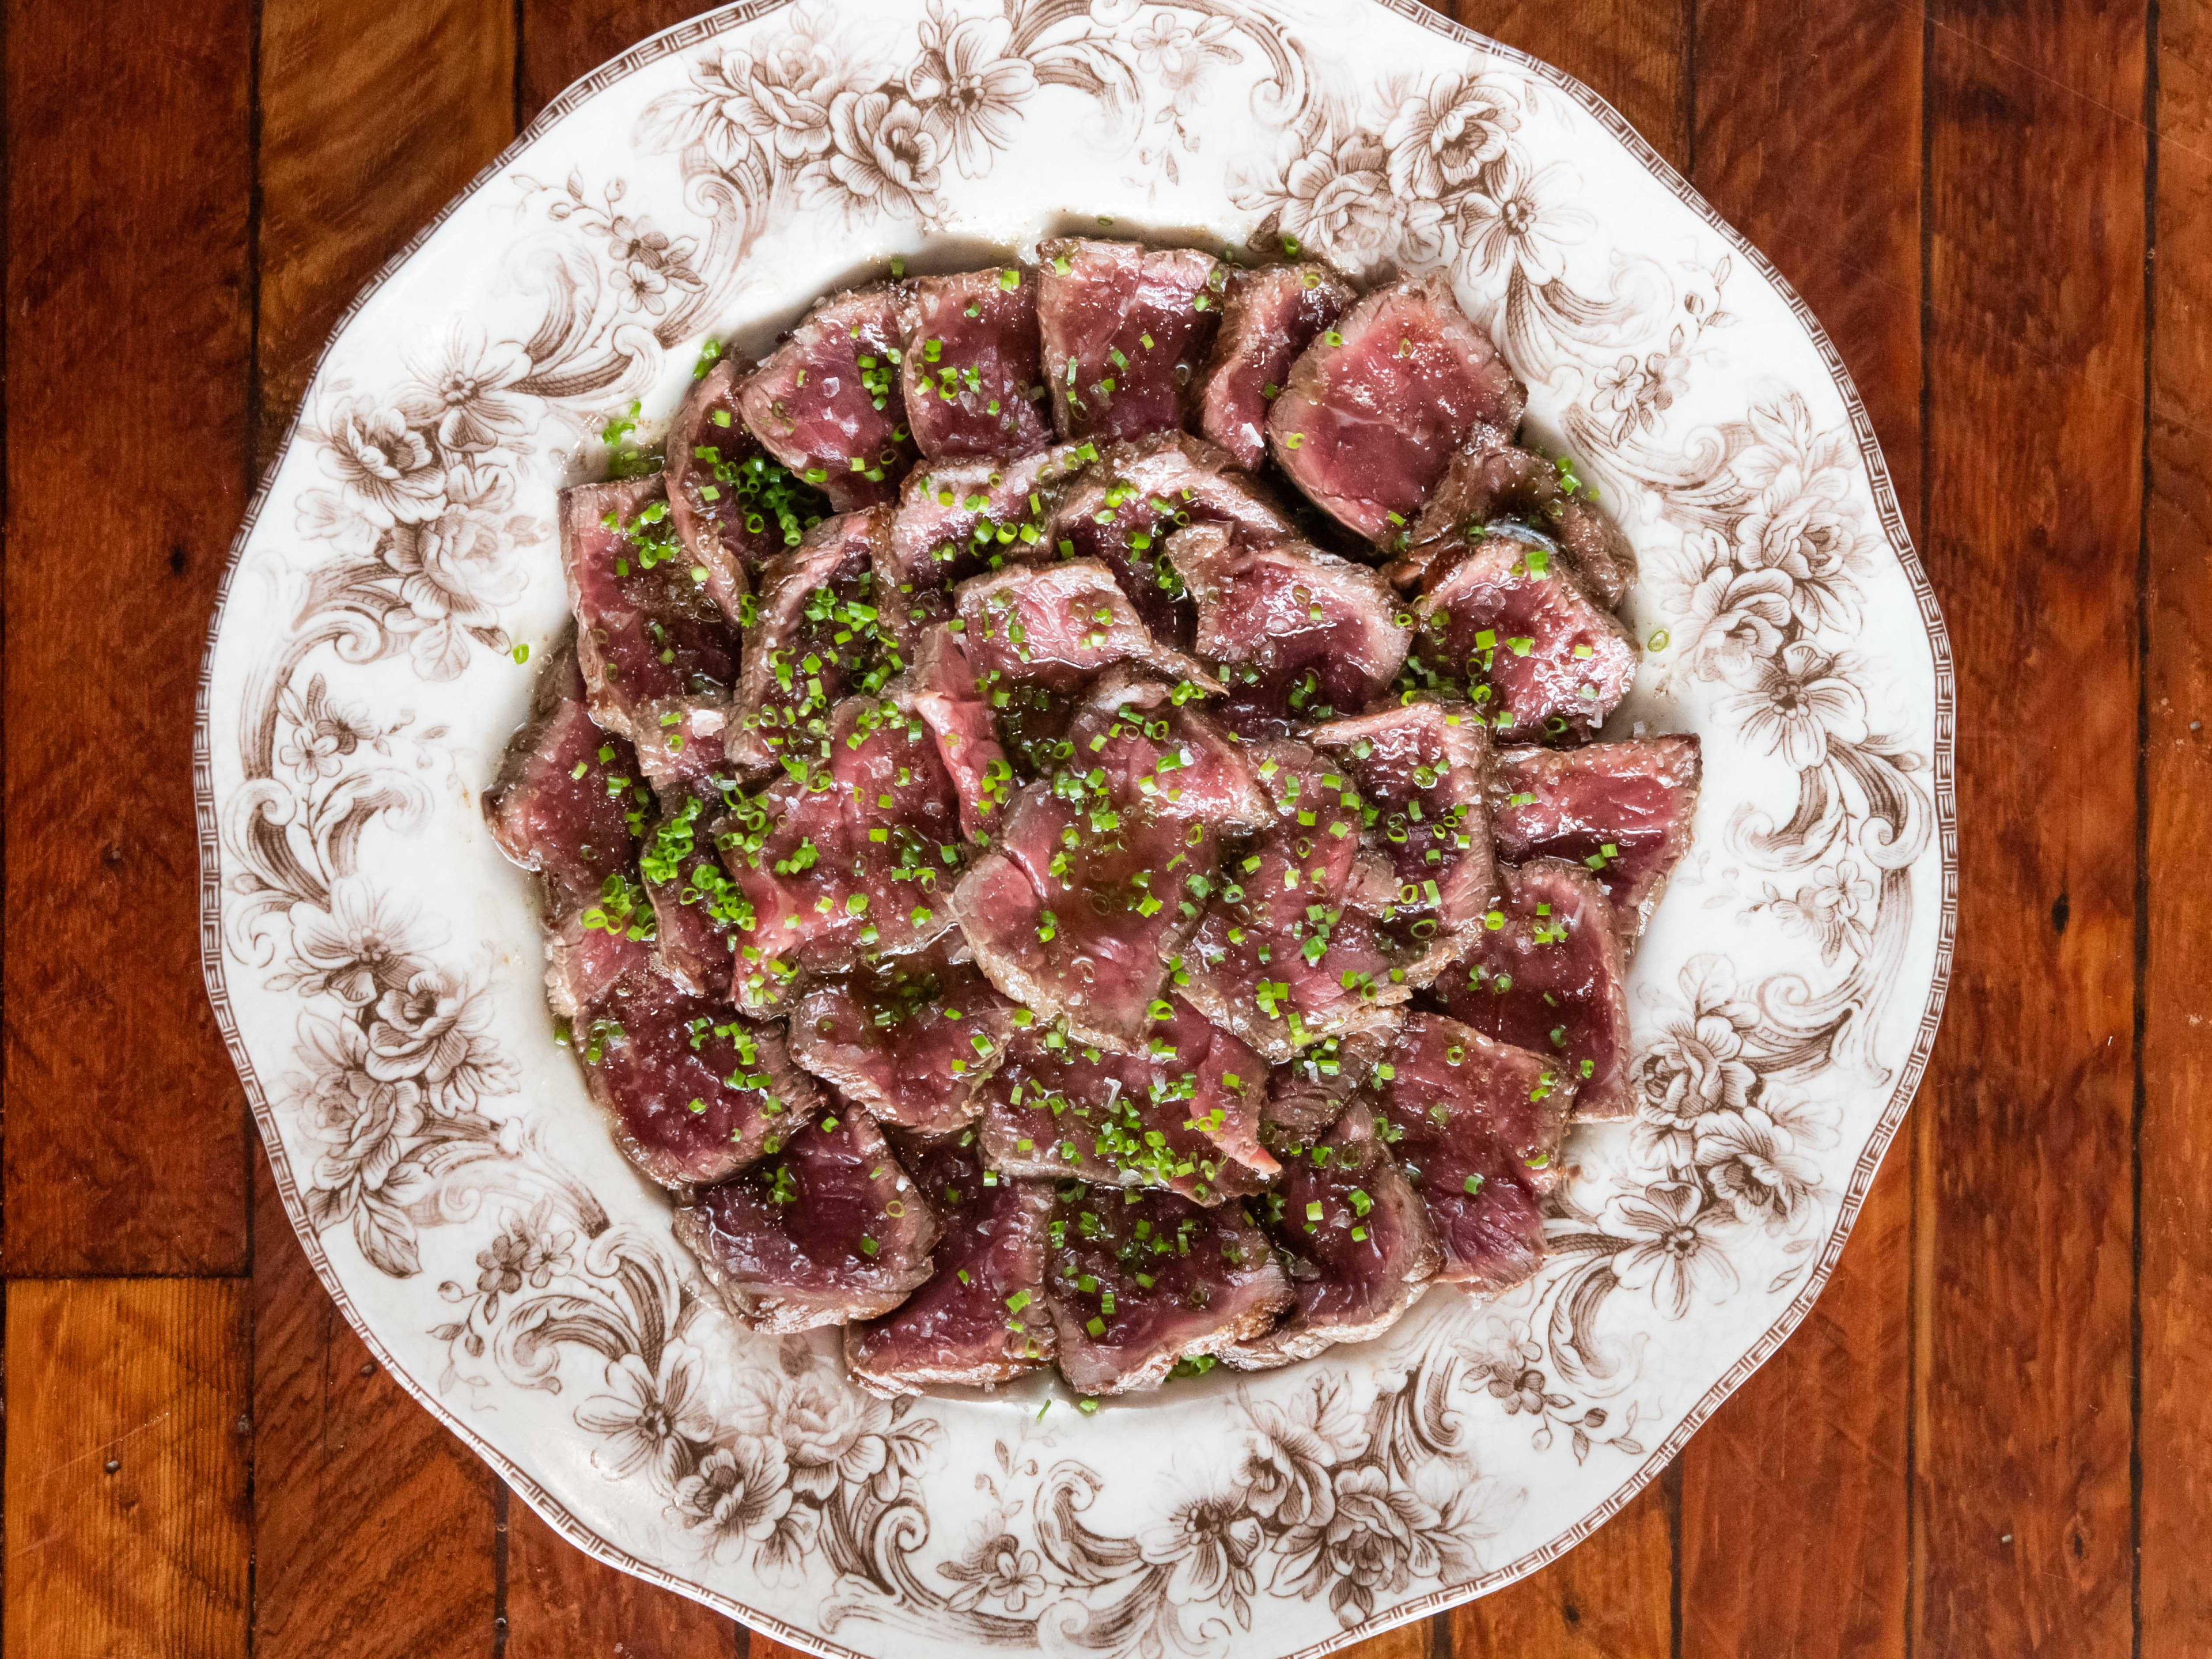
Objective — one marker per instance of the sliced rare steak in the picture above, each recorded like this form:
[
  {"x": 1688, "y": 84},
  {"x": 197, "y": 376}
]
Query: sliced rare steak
[
  {"x": 589, "y": 951},
  {"x": 848, "y": 854},
  {"x": 659, "y": 658},
  {"x": 981, "y": 1318},
  {"x": 1058, "y": 625},
  {"x": 1510, "y": 627},
  {"x": 1476, "y": 1126},
  {"x": 1296, "y": 634},
  {"x": 827, "y": 1229},
  {"x": 1182, "y": 1115},
  {"x": 912, "y": 1038},
  {"x": 1270, "y": 316},
  {"x": 567, "y": 801},
  {"x": 1355, "y": 1237},
  {"x": 828, "y": 402},
  {"x": 1082, "y": 903},
  {"x": 1493, "y": 479},
  {"x": 973, "y": 375},
  {"x": 697, "y": 910},
  {"x": 958, "y": 519},
  {"x": 1310, "y": 1091},
  {"x": 1545, "y": 973},
  {"x": 1420, "y": 769},
  {"x": 1125, "y": 328},
  {"x": 1137, "y": 1280},
  {"x": 1124, "y": 508},
  {"x": 1282, "y": 956},
  {"x": 815, "y": 636},
  {"x": 734, "y": 508},
  {"x": 1375, "y": 409},
  {"x": 696, "y": 1093},
  {"x": 941, "y": 688},
  {"x": 1622, "y": 810}
]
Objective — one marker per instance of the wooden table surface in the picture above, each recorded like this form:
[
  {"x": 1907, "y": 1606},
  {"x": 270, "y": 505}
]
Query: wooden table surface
[{"x": 1991, "y": 1435}]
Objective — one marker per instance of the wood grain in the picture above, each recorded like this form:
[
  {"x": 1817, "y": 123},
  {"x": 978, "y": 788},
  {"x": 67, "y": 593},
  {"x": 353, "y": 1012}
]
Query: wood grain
[
  {"x": 127, "y": 1469},
  {"x": 1610, "y": 1597},
  {"x": 375, "y": 114},
  {"x": 1815, "y": 1443},
  {"x": 126, "y": 345},
  {"x": 561, "y": 1604},
  {"x": 563, "y": 40},
  {"x": 2174, "y": 1437},
  {"x": 2035, "y": 462},
  {"x": 373, "y": 1526},
  {"x": 1635, "y": 54}
]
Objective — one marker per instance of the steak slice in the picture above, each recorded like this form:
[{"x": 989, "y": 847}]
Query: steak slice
[
  {"x": 1125, "y": 328},
  {"x": 733, "y": 506},
  {"x": 1622, "y": 810},
  {"x": 1476, "y": 1126},
  {"x": 697, "y": 910},
  {"x": 1080, "y": 905},
  {"x": 1421, "y": 768},
  {"x": 1545, "y": 972},
  {"x": 845, "y": 857},
  {"x": 1355, "y": 1239},
  {"x": 695, "y": 1093},
  {"x": 1183, "y": 1114},
  {"x": 1270, "y": 316},
  {"x": 826, "y": 1230},
  {"x": 659, "y": 658},
  {"x": 1512, "y": 629},
  {"x": 815, "y": 636},
  {"x": 1309, "y": 1092},
  {"x": 958, "y": 520},
  {"x": 1136, "y": 1281},
  {"x": 941, "y": 688},
  {"x": 828, "y": 402},
  {"x": 1296, "y": 633},
  {"x": 1493, "y": 480},
  {"x": 1279, "y": 958},
  {"x": 584, "y": 964},
  {"x": 912, "y": 1038},
  {"x": 981, "y": 1318},
  {"x": 972, "y": 374},
  {"x": 1058, "y": 625},
  {"x": 567, "y": 802},
  {"x": 1123, "y": 509},
  {"x": 1374, "y": 410}
]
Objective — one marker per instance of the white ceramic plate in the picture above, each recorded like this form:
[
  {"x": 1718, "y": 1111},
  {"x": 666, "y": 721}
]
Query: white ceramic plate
[{"x": 375, "y": 964}]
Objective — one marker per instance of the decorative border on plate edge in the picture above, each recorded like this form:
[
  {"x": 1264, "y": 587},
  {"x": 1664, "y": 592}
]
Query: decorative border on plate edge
[{"x": 706, "y": 27}]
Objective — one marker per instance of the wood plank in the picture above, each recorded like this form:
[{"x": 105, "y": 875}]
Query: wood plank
[
  {"x": 375, "y": 114},
  {"x": 2175, "y": 1434},
  {"x": 561, "y": 1604},
  {"x": 126, "y": 256},
  {"x": 563, "y": 40},
  {"x": 1808, "y": 141},
  {"x": 1613, "y": 1593},
  {"x": 1610, "y": 1597},
  {"x": 128, "y": 1514},
  {"x": 2034, "y": 477},
  {"x": 1633, "y": 53},
  {"x": 373, "y": 1531},
  {"x": 375, "y": 1528}
]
